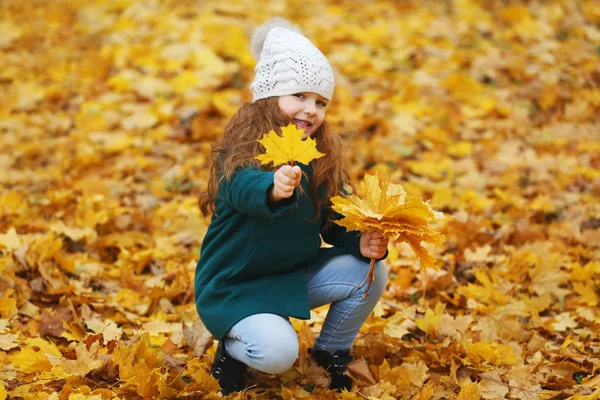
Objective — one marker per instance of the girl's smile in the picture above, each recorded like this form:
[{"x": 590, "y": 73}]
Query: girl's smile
[{"x": 306, "y": 108}]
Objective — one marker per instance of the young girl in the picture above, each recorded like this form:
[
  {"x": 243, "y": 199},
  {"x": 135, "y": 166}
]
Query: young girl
[{"x": 261, "y": 260}]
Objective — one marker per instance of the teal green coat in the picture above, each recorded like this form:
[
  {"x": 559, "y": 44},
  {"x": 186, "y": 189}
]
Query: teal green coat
[{"x": 255, "y": 257}]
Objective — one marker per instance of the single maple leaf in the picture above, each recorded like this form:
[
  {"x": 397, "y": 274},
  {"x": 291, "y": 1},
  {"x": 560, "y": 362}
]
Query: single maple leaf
[
  {"x": 430, "y": 321},
  {"x": 288, "y": 148},
  {"x": 359, "y": 371},
  {"x": 8, "y": 304},
  {"x": 387, "y": 209},
  {"x": 469, "y": 391},
  {"x": 311, "y": 372},
  {"x": 10, "y": 239},
  {"x": 206, "y": 382},
  {"x": 492, "y": 386},
  {"x": 197, "y": 337},
  {"x": 405, "y": 377},
  {"x": 87, "y": 360},
  {"x": 493, "y": 353},
  {"x": 31, "y": 361},
  {"x": 9, "y": 341}
]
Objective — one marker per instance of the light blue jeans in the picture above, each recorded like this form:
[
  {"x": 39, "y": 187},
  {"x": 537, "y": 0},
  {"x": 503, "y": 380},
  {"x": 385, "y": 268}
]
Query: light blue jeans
[{"x": 268, "y": 342}]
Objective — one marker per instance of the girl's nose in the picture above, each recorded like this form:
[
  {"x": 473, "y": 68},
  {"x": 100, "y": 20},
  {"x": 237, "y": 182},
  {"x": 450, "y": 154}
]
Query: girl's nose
[{"x": 310, "y": 109}]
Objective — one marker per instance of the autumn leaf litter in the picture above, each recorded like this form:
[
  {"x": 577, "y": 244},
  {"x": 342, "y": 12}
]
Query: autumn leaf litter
[{"x": 486, "y": 110}]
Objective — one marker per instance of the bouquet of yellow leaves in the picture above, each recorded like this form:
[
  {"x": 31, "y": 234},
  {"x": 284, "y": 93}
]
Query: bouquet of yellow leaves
[{"x": 386, "y": 208}]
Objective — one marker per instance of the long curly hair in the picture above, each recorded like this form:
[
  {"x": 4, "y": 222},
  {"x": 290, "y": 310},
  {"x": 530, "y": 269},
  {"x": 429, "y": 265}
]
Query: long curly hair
[{"x": 240, "y": 145}]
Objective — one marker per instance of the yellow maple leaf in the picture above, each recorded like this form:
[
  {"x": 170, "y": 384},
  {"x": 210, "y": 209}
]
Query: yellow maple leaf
[
  {"x": 288, "y": 148},
  {"x": 145, "y": 380},
  {"x": 126, "y": 357},
  {"x": 493, "y": 353},
  {"x": 139, "y": 120},
  {"x": 91, "y": 211},
  {"x": 470, "y": 391},
  {"x": 30, "y": 361},
  {"x": 430, "y": 321},
  {"x": 399, "y": 324},
  {"x": 485, "y": 292},
  {"x": 8, "y": 304},
  {"x": 3, "y": 394},
  {"x": 405, "y": 377},
  {"x": 14, "y": 203},
  {"x": 426, "y": 392},
  {"x": 587, "y": 291},
  {"x": 9, "y": 32},
  {"x": 164, "y": 386},
  {"x": 206, "y": 382},
  {"x": 585, "y": 273}
]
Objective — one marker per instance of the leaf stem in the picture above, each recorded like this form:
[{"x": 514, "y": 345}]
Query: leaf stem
[{"x": 370, "y": 277}]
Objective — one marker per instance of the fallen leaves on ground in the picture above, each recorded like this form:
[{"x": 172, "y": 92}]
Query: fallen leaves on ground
[{"x": 488, "y": 110}]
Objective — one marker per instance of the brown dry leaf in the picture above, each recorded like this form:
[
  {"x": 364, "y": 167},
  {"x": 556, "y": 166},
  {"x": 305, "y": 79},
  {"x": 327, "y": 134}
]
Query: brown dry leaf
[
  {"x": 311, "y": 372},
  {"x": 9, "y": 341},
  {"x": 454, "y": 327},
  {"x": 359, "y": 371},
  {"x": 492, "y": 386},
  {"x": 522, "y": 384},
  {"x": 197, "y": 337},
  {"x": 87, "y": 360}
]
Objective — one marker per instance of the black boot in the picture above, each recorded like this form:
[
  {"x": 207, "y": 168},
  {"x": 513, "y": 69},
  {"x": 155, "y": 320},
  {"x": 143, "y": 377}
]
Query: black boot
[
  {"x": 336, "y": 366},
  {"x": 228, "y": 371}
]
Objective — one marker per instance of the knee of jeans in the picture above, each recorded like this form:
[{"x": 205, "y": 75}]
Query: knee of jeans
[
  {"x": 279, "y": 356},
  {"x": 381, "y": 278}
]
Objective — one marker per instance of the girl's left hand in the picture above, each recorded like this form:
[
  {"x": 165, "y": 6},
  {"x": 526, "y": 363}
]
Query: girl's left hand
[{"x": 373, "y": 244}]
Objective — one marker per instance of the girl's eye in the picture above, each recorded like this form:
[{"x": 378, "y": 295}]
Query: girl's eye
[
  {"x": 322, "y": 103},
  {"x": 299, "y": 95}
]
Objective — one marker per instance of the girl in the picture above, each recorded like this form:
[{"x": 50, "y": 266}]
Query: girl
[{"x": 261, "y": 260}]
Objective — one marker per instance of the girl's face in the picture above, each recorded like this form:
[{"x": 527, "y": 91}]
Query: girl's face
[{"x": 306, "y": 108}]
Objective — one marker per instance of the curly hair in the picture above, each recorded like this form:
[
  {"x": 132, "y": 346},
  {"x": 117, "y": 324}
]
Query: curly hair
[{"x": 240, "y": 145}]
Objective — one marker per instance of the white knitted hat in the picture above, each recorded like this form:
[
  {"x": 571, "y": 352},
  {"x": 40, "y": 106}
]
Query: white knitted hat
[{"x": 288, "y": 62}]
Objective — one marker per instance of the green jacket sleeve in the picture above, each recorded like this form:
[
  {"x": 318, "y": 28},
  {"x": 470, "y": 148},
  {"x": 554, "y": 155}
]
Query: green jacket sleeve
[{"x": 247, "y": 191}]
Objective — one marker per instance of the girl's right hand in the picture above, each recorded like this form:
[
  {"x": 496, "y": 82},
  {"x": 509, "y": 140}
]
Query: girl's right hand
[{"x": 286, "y": 179}]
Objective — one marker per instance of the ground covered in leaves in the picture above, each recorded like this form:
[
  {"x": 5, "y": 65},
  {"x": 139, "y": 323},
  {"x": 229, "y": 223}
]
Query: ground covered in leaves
[{"x": 489, "y": 109}]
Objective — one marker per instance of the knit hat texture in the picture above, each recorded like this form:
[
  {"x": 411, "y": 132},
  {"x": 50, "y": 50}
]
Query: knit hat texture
[{"x": 288, "y": 62}]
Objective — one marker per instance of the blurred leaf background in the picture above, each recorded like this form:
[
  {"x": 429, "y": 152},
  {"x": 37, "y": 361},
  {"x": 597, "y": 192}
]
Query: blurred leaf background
[{"x": 488, "y": 109}]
